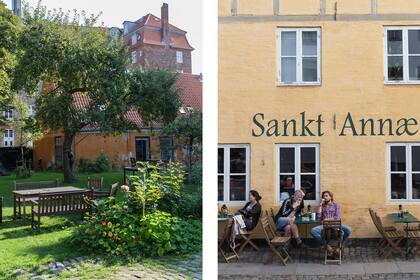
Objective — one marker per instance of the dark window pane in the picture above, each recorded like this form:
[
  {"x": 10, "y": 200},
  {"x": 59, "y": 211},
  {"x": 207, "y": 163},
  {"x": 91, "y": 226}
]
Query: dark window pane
[
  {"x": 398, "y": 158},
  {"x": 220, "y": 188},
  {"x": 287, "y": 160},
  {"x": 288, "y": 69},
  {"x": 309, "y": 42},
  {"x": 394, "y": 41},
  {"x": 415, "y": 158},
  {"x": 395, "y": 68},
  {"x": 414, "y": 41},
  {"x": 288, "y": 43},
  {"x": 308, "y": 185},
  {"x": 307, "y": 160},
  {"x": 414, "y": 67},
  {"x": 310, "y": 72},
  {"x": 398, "y": 187},
  {"x": 220, "y": 160},
  {"x": 238, "y": 160},
  {"x": 416, "y": 186},
  {"x": 287, "y": 186},
  {"x": 237, "y": 187}
]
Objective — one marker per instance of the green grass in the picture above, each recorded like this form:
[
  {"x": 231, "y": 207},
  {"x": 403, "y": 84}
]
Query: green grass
[{"x": 20, "y": 246}]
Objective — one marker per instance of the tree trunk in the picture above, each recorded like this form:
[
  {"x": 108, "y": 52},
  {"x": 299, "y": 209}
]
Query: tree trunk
[
  {"x": 68, "y": 165},
  {"x": 190, "y": 146}
]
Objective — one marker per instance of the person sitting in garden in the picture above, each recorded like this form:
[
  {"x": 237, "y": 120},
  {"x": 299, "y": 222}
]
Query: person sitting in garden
[
  {"x": 329, "y": 211},
  {"x": 247, "y": 218},
  {"x": 285, "y": 218}
]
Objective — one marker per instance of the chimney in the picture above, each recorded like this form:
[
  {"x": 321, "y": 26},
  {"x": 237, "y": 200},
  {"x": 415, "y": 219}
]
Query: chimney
[
  {"x": 17, "y": 7},
  {"x": 165, "y": 24}
]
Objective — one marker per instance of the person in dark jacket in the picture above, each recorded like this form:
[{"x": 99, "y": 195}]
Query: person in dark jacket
[
  {"x": 285, "y": 218},
  {"x": 252, "y": 210}
]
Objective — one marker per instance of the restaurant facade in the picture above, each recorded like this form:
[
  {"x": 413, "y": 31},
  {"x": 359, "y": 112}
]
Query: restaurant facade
[{"x": 321, "y": 95}]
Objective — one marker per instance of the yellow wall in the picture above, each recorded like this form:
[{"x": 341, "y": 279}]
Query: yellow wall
[
  {"x": 353, "y": 168},
  {"x": 396, "y": 7},
  {"x": 348, "y": 6}
]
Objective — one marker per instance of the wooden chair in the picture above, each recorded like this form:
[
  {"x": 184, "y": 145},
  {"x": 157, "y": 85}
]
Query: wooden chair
[
  {"x": 224, "y": 242},
  {"x": 392, "y": 239},
  {"x": 277, "y": 244},
  {"x": 59, "y": 204},
  {"x": 381, "y": 241},
  {"x": 332, "y": 235},
  {"x": 95, "y": 184},
  {"x": 31, "y": 186},
  {"x": 112, "y": 192},
  {"x": 271, "y": 218}
]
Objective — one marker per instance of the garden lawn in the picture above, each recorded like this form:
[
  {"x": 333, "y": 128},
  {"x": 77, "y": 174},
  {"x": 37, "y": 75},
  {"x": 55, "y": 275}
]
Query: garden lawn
[{"x": 22, "y": 247}]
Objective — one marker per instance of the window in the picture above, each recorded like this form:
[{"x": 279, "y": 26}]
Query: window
[
  {"x": 8, "y": 138},
  {"x": 166, "y": 149},
  {"x": 404, "y": 171},
  {"x": 179, "y": 57},
  {"x": 8, "y": 114},
  {"x": 133, "y": 57},
  {"x": 134, "y": 38},
  {"x": 58, "y": 150},
  {"x": 299, "y": 56},
  {"x": 297, "y": 168},
  {"x": 402, "y": 54},
  {"x": 233, "y": 173}
]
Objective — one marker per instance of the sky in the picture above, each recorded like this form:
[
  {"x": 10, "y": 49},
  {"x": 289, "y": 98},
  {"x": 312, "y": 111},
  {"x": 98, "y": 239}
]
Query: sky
[{"x": 184, "y": 14}]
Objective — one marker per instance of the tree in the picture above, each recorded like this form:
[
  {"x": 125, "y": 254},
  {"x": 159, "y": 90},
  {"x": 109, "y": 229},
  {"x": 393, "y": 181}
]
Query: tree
[
  {"x": 9, "y": 33},
  {"x": 187, "y": 126},
  {"x": 73, "y": 60}
]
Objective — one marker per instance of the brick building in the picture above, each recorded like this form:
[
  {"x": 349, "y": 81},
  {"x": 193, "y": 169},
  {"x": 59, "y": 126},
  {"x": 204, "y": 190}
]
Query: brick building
[{"x": 155, "y": 43}]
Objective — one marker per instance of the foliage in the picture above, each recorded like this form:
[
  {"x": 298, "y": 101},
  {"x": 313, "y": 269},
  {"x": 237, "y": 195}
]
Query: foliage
[
  {"x": 22, "y": 172},
  {"x": 197, "y": 175},
  {"x": 9, "y": 32},
  {"x": 190, "y": 205},
  {"x": 101, "y": 164}
]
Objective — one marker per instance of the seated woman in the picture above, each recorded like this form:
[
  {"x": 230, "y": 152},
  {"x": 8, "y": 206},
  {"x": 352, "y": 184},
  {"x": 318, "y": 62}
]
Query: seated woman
[
  {"x": 247, "y": 218},
  {"x": 329, "y": 211},
  {"x": 285, "y": 218}
]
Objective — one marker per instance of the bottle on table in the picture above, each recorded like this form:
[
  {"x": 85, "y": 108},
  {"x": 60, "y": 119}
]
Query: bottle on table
[{"x": 400, "y": 212}]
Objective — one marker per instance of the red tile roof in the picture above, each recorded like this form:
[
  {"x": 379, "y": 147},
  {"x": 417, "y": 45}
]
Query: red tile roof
[
  {"x": 151, "y": 34},
  {"x": 190, "y": 89}
]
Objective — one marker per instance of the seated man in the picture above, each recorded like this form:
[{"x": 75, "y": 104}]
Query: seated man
[{"x": 328, "y": 211}]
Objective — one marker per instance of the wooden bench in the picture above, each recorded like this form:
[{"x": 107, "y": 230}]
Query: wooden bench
[
  {"x": 30, "y": 186},
  {"x": 59, "y": 204}
]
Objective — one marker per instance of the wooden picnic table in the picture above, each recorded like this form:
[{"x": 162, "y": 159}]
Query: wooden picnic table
[
  {"x": 34, "y": 193},
  {"x": 406, "y": 219}
]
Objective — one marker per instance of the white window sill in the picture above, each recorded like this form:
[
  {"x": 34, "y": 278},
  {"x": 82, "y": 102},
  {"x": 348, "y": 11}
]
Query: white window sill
[
  {"x": 233, "y": 203},
  {"x": 404, "y": 202},
  {"x": 402, "y": 83},
  {"x": 306, "y": 202},
  {"x": 298, "y": 84}
]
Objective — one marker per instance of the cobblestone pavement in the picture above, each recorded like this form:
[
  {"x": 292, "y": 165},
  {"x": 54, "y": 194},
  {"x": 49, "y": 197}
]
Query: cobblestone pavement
[
  {"x": 359, "y": 262},
  {"x": 181, "y": 268}
]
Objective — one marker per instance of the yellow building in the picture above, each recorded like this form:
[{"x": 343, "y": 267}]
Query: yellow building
[{"x": 321, "y": 95}]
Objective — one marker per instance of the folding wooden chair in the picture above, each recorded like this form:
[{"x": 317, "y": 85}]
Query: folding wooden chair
[
  {"x": 248, "y": 237},
  {"x": 392, "y": 239},
  {"x": 95, "y": 184},
  {"x": 277, "y": 244},
  {"x": 332, "y": 234},
  {"x": 224, "y": 242},
  {"x": 382, "y": 241}
]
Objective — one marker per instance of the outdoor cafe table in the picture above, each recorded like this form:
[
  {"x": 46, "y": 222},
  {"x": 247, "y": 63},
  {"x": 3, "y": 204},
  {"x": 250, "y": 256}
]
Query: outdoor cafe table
[
  {"x": 306, "y": 223},
  {"x": 27, "y": 194},
  {"x": 406, "y": 219}
]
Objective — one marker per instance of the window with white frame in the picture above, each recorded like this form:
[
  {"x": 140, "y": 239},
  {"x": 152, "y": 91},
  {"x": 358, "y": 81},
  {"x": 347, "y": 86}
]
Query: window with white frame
[
  {"x": 8, "y": 137},
  {"x": 404, "y": 171},
  {"x": 402, "y": 54},
  {"x": 134, "y": 38},
  {"x": 133, "y": 57},
  {"x": 233, "y": 173},
  {"x": 297, "y": 168},
  {"x": 179, "y": 57},
  {"x": 299, "y": 56},
  {"x": 8, "y": 114}
]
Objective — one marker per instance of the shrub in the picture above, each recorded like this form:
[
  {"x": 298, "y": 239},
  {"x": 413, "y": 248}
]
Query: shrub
[
  {"x": 86, "y": 165},
  {"x": 103, "y": 163},
  {"x": 197, "y": 175},
  {"x": 190, "y": 205},
  {"x": 22, "y": 172}
]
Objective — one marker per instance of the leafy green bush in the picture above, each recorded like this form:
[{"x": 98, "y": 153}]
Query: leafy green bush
[
  {"x": 22, "y": 172},
  {"x": 190, "y": 205},
  {"x": 86, "y": 165},
  {"x": 101, "y": 164},
  {"x": 136, "y": 225},
  {"x": 197, "y": 174}
]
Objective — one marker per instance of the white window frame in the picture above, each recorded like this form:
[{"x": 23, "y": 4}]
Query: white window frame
[
  {"x": 405, "y": 55},
  {"x": 133, "y": 57},
  {"x": 8, "y": 113},
  {"x": 299, "y": 65},
  {"x": 134, "y": 38},
  {"x": 297, "y": 172},
  {"x": 9, "y": 137},
  {"x": 226, "y": 173},
  {"x": 408, "y": 173},
  {"x": 179, "y": 57}
]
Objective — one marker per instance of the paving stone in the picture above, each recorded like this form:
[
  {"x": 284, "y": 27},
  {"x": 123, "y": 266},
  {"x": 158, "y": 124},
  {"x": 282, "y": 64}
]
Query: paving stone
[{"x": 18, "y": 272}]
